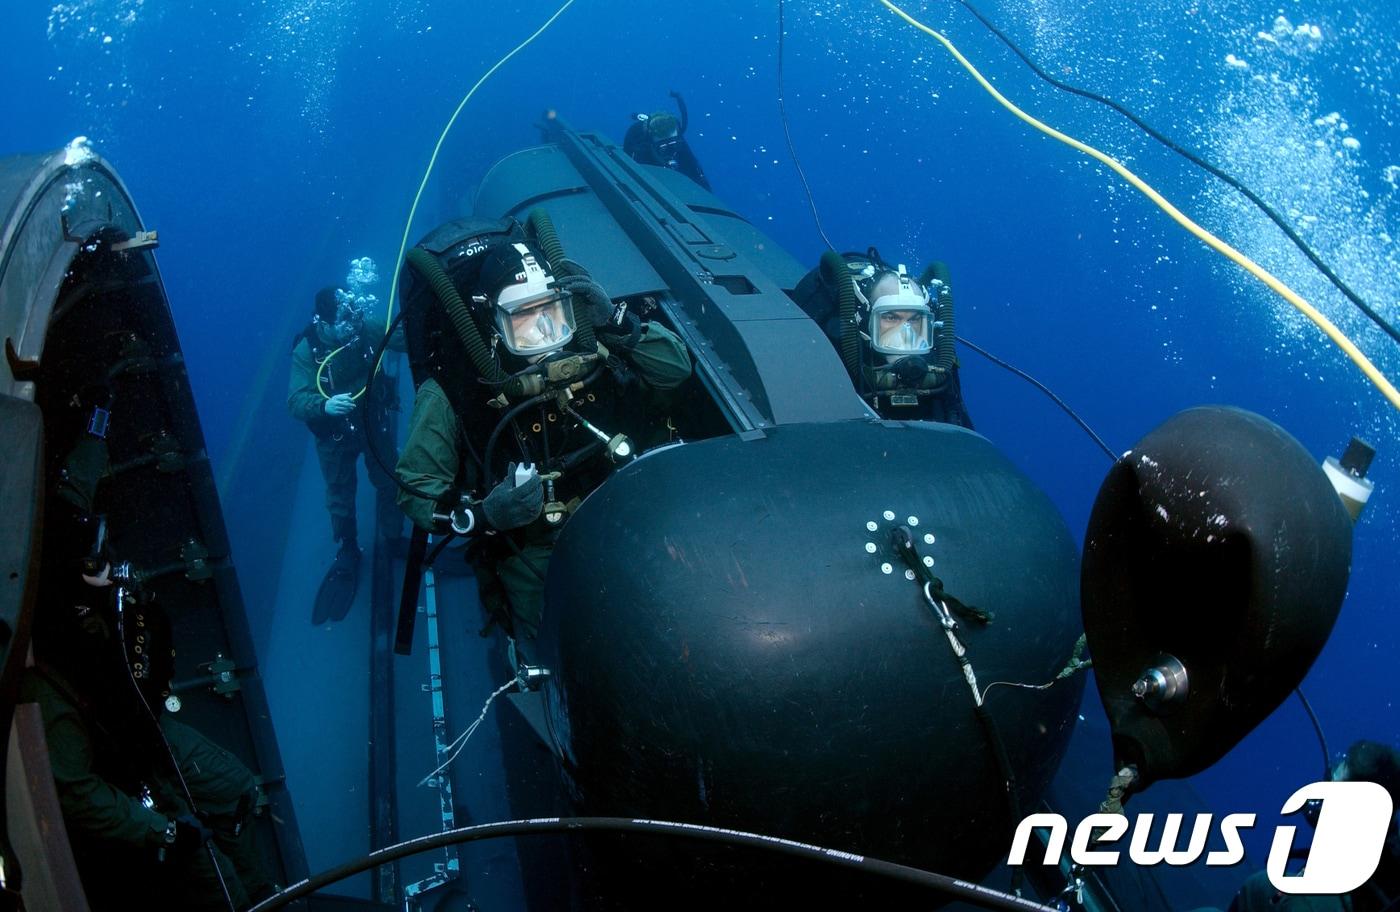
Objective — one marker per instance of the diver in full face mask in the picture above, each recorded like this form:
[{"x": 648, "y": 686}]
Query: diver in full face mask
[
  {"x": 895, "y": 334},
  {"x": 659, "y": 139},
  {"x": 331, "y": 390},
  {"x": 507, "y": 438}
]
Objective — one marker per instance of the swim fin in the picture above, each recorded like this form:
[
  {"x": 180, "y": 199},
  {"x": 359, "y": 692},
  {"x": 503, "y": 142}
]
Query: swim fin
[{"x": 337, "y": 593}]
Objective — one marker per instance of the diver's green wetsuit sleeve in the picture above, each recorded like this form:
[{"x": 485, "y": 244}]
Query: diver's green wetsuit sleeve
[
  {"x": 91, "y": 805},
  {"x": 304, "y": 401},
  {"x": 430, "y": 457},
  {"x": 661, "y": 357}
]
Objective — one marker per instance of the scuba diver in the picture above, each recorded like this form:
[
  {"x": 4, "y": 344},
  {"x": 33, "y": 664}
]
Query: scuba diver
[
  {"x": 157, "y": 815},
  {"x": 330, "y": 374},
  {"x": 659, "y": 139},
  {"x": 894, "y": 334},
  {"x": 525, "y": 370},
  {"x": 1364, "y": 761}
]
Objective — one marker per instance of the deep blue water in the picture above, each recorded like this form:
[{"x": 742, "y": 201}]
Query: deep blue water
[{"x": 271, "y": 141}]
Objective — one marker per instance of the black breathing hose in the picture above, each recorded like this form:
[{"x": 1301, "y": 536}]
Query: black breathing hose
[
  {"x": 427, "y": 266},
  {"x": 836, "y": 275},
  {"x": 951, "y": 886}
]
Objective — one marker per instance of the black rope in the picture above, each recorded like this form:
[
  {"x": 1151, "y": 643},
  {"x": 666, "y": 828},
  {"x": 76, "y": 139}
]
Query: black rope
[
  {"x": 1199, "y": 162},
  {"x": 1317, "y": 727},
  {"x": 792, "y": 150},
  {"x": 979, "y": 895},
  {"x": 1044, "y": 389}
]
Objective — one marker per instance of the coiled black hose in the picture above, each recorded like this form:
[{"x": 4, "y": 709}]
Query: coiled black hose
[
  {"x": 836, "y": 275},
  {"x": 432, "y": 272}
]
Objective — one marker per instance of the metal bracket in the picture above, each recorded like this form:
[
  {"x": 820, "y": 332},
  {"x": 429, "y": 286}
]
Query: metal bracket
[
  {"x": 142, "y": 240},
  {"x": 222, "y": 677}
]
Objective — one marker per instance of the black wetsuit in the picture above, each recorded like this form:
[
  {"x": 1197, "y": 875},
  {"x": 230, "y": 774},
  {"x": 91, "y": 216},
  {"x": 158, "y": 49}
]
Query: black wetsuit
[{"x": 638, "y": 144}]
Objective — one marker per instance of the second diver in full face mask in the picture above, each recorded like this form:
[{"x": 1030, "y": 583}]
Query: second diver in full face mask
[{"x": 894, "y": 333}]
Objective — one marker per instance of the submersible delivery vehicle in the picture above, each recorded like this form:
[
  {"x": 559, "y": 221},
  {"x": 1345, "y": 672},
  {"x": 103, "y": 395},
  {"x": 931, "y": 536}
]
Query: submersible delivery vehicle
[{"x": 792, "y": 623}]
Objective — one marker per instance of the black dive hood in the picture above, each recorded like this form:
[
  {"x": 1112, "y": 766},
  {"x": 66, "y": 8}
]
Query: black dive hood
[{"x": 1215, "y": 564}]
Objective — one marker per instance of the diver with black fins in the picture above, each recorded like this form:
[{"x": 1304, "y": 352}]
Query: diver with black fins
[
  {"x": 330, "y": 390},
  {"x": 894, "y": 334},
  {"x": 659, "y": 139},
  {"x": 526, "y": 373}
]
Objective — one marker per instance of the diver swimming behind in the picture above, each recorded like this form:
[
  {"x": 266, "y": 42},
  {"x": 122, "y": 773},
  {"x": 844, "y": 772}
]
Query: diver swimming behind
[
  {"x": 330, "y": 372},
  {"x": 659, "y": 139}
]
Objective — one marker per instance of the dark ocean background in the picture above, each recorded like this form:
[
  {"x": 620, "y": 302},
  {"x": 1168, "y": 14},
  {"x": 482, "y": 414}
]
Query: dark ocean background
[{"x": 269, "y": 142}]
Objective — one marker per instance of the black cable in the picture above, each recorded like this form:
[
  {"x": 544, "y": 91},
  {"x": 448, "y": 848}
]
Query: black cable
[
  {"x": 1044, "y": 389},
  {"x": 1317, "y": 727},
  {"x": 792, "y": 150},
  {"x": 488, "y": 478},
  {"x": 120, "y": 595},
  {"x": 975, "y": 893},
  {"x": 437, "y": 549},
  {"x": 1199, "y": 162}
]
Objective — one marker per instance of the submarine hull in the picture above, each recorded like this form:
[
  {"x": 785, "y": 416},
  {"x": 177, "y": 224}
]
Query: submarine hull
[{"x": 733, "y": 641}]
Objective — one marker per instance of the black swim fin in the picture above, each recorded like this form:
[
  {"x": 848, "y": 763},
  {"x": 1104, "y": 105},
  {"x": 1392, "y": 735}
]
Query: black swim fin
[{"x": 337, "y": 593}]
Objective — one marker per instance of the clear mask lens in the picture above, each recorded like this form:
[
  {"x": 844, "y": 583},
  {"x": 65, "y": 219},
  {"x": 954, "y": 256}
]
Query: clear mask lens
[
  {"x": 901, "y": 325},
  {"x": 536, "y": 326}
]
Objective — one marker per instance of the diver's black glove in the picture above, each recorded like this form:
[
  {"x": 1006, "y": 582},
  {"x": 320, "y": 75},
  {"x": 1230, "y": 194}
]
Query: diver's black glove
[
  {"x": 564, "y": 268},
  {"x": 510, "y": 506},
  {"x": 595, "y": 301}
]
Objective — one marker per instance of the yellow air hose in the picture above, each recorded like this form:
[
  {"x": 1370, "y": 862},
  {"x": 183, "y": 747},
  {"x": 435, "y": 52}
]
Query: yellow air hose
[
  {"x": 1292, "y": 297},
  {"x": 422, "y": 185}
]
